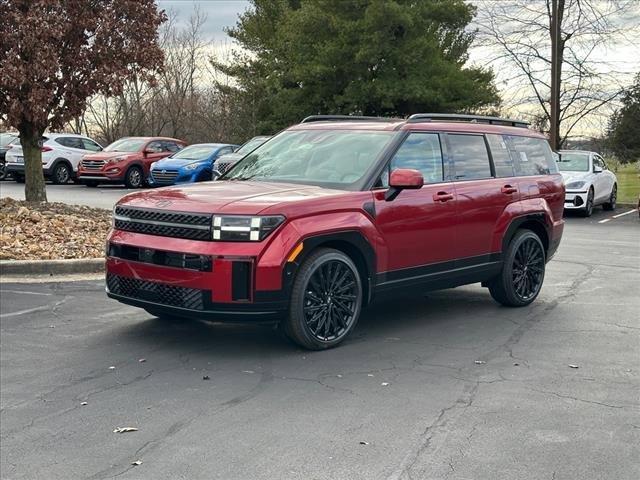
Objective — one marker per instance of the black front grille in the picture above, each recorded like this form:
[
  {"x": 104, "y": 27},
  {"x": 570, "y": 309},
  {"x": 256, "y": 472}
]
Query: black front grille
[
  {"x": 161, "y": 293},
  {"x": 189, "y": 261},
  {"x": 193, "y": 226},
  {"x": 164, "y": 176}
]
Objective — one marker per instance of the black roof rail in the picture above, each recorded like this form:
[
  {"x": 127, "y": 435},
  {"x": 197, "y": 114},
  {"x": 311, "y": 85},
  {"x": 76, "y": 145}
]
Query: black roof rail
[
  {"x": 347, "y": 118},
  {"x": 449, "y": 117}
]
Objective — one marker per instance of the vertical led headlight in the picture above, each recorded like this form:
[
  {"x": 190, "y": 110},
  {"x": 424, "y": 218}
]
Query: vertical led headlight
[{"x": 242, "y": 228}]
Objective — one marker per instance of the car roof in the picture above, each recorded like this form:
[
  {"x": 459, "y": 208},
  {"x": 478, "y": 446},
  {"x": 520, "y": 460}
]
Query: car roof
[
  {"x": 154, "y": 138},
  {"x": 61, "y": 135},
  {"x": 213, "y": 145},
  {"x": 427, "y": 126}
]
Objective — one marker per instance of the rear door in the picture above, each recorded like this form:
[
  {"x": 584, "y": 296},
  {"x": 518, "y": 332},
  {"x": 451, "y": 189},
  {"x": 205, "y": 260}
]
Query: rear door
[
  {"x": 418, "y": 226},
  {"x": 481, "y": 195},
  {"x": 603, "y": 180}
]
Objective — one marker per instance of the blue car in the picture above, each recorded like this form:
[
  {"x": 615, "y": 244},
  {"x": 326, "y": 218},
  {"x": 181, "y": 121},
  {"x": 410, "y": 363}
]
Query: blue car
[{"x": 191, "y": 164}]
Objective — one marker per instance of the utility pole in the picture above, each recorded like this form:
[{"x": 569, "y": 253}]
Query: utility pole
[{"x": 557, "y": 9}]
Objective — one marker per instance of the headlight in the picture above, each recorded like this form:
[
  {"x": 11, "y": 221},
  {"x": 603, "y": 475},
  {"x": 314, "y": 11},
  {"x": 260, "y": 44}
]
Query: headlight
[
  {"x": 574, "y": 185},
  {"x": 191, "y": 166},
  {"x": 236, "y": 228},
  {"x": 115, "y": 160}
]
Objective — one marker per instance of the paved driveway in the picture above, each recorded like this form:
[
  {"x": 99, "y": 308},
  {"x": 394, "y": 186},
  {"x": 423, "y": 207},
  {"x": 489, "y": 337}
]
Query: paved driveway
[{"x": 449, "y": 385}]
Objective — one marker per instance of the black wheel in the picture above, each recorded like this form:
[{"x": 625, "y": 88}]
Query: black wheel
[
  {"x": 611, "y": 204},
  {"x": 18, "y": 178},
  {"x": 133, "y": 178},
  {"x": 326, "y": 300},
  {"x": 522, "y": 272},
  {"x": 588, "y": 206},
  {"x": 90, "y": 183},
  {"x": 3, "y": 171},
  {"x": 61, "y": 174}
]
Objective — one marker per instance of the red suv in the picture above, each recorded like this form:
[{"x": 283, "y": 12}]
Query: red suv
[
  {"x": 311, "y": 225},
  {"x": 126, "y": 160}
]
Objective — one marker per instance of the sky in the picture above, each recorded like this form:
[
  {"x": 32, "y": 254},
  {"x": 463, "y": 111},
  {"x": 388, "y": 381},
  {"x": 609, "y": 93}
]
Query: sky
[{"x": 224, "y": 13}]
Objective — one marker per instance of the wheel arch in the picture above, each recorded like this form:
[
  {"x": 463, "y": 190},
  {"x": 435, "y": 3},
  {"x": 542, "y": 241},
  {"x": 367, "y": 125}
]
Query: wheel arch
[
  {"x": 535, "y": 222},
  {"x": 352, "y": 243}
]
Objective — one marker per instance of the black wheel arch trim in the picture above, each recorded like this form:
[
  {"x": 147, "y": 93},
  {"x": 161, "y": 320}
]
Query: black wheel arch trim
[
  {"x": 538, "y": 218},
  {"x": 354, "y": 238}
]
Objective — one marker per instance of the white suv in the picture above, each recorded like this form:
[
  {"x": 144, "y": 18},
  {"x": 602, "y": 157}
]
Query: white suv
[{"x": 61, "y": 154}]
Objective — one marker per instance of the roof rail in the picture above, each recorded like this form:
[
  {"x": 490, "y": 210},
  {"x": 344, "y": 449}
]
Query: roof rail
[
  {"x": 347, "y": 118},
  {"x": 448, "y": 117}
]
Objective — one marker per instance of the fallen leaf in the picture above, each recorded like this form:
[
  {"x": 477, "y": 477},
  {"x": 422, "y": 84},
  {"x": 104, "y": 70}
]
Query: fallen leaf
[
  {"x": 137, "y": 462},
  {"x": 206, "y": 377},
  {"x": 142, "y": 360},
  {"x": 112, "y": 367},
  {"x": 364, "y": 443},
  {"x": 385, "y": 384},
  {"x": 84, "y": 403},
  {"x": 479, "y": 362},
  {"x": 125, "y": 429},
  {"x": 248, "y": 371},
  {"x": 571, "y": 365},
  {"x": 370, "y": 375}
]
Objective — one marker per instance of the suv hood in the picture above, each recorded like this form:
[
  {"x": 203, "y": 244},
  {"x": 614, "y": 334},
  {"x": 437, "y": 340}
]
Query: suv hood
[
  {"x": 232, "y": 197},
  {"x": 107, "y": 155}
]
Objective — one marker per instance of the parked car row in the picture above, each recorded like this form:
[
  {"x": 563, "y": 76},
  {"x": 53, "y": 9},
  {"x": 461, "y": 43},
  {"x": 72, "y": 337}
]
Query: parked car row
[{"x": 132, "y": 161}]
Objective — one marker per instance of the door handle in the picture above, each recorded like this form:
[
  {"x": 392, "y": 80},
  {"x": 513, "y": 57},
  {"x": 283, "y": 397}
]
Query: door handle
[
  {"x": 508, "y": 189},
  {"x": 442, "y": 197}
]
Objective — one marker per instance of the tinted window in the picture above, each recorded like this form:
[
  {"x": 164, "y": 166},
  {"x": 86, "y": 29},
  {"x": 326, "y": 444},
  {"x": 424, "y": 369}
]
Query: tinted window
[
  {"x": 155, "y": 147},
  {"x": 500, "y": 155},
  {"x": 170, "y": 146},
  {"x": 470, "y": 156},
  {"x": 422, "y": 152},
  {"x": 532, "y": 156},
  {"x": 91, "y": 145}
]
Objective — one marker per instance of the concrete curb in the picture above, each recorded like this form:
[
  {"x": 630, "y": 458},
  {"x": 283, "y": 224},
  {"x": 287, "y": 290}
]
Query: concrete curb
[
  {"x": 51, "y": 267},
  {"x": 626, "y": 205}
]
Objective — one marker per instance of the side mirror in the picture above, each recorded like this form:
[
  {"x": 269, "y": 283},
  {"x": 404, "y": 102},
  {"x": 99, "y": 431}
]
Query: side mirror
[
  {"x": 401, "y": 179},
  {"x": 215, "y": 174},
  {"x": 597, "y": 169}
]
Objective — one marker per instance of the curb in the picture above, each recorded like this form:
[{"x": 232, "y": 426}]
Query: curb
[
  {"x": 51, "y": 267},
  {"x": 627, "y": 205}
]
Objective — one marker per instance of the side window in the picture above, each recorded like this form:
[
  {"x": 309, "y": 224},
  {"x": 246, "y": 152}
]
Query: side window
[
  {"x": 422, "y": 152},
  {"x": 470, "y": 156},
  {"x": 225, "y": 150},
  {"x": 64, "y": 141},
  {"x": 90, "y": 145},
  {"x": 531, "y": 156},
  {"x": 155, "y": 146},
  {"x": 500, "y": 153},
  {"x": 170, "y": 146}
]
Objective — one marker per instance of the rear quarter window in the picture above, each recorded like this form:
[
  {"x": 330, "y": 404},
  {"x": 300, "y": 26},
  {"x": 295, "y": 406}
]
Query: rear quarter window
[
  {"x": 502, "y": 160},
  {"x": 531, "y": 156}
]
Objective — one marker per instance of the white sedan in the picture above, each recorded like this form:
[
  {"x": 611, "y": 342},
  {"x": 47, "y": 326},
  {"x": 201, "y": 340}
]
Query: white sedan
[{"x": 587, "y": 180}]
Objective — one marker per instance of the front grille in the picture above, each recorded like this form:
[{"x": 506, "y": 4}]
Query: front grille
[
  {"x": 223, "y": 167},
  {"x": 164, "y": 176},
  {"x": 161, "y": 293},
  {"x": 189, "y": 261},
  {"x": 193, "y": 226},
  {"x": 93, "y": 164}
]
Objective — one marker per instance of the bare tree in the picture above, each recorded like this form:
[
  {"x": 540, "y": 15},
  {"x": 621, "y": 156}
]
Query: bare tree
[{"x": 553, "y": 54}]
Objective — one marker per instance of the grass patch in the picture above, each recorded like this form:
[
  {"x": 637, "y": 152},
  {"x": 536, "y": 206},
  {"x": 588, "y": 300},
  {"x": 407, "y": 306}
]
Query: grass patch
[{"x": 628, "y": 182}]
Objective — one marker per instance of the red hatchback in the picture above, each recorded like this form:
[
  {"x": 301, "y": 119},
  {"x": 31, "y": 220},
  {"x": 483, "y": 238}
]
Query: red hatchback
[
  {"x": 126, "y": 160},
  {"x": 314, "y": 223}
]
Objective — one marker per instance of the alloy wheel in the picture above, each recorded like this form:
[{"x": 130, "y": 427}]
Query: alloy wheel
[
  {"x": 528, "y": 269},
  {"x": 588, "y": 209},
  {"x": 62, "y": 174},
  {"x": 330, "y": 300},
  {"x": 135, "y": 177}
]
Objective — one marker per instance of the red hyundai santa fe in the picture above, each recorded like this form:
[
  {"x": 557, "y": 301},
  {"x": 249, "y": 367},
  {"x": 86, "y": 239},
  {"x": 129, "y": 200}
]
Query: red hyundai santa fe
[{"x": 310, "y": 226}]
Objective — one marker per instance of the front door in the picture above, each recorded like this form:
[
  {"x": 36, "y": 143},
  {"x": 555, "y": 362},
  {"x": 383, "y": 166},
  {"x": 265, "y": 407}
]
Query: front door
[{"x": 418, "y": 226}]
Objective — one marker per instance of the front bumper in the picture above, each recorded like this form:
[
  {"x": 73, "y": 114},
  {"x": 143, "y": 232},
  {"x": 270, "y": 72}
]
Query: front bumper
[
  {"x": 575, "y": 200},
  {"x": 190, "y": 278},
  {"x": 106, "y": 174}
]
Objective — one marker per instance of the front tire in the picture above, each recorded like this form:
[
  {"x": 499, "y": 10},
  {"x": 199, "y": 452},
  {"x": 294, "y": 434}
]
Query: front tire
[
  {"x": 523, "y": 270},
  {"x": 90, "y": 183},
  {"x": 611, "y": 204},
  {"x": 18, "y": 178},
  {"x": 61, "y": 174},
  {"x": 133, "y": 178},
  {"x": 588, "y": 206},
  {"x": 326, "y": 300}
]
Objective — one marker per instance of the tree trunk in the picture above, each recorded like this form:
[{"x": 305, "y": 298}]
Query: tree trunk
[
  {"x": 557, "y": 11},
  {"x": 34, "y": 187}
]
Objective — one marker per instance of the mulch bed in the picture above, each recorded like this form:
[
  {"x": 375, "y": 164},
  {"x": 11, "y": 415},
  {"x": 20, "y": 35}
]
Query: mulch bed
[{"x": 47, "y": 231}]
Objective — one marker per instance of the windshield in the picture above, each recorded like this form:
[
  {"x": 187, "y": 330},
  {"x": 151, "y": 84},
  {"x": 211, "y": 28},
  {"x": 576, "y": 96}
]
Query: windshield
[
  {"x": 6, "y": 139},
  {"x": 317, "y": 157},
  {"x": 251, "y": 145},
  {"x": 126, "y": 145},
  {"x": 573, "y": 162},
  {"x": 194, "y": 152}
]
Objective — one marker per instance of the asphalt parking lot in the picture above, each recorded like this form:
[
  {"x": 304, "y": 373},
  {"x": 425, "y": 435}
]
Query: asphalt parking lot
[{"x": 449, "y": 385}]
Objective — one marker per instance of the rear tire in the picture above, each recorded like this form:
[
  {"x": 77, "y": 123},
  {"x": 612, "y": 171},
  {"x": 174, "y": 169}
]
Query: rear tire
[
  {"x": 326, "y": 300},
  {"x": 18, "y": 178},
  {"x": 134, "y": 178},
  {"x": 523, "y": 270},
  {"x": 61, "y": 174},
  {"x": 611, "y": 204},
  {"x": 3, "y": 171}
]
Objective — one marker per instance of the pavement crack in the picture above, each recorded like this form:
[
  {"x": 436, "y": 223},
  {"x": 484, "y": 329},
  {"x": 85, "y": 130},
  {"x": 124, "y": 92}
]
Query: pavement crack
[{"x": 577, "y": 399}]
